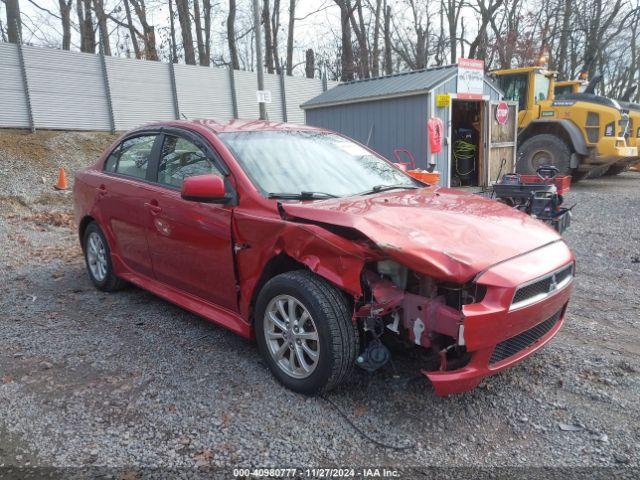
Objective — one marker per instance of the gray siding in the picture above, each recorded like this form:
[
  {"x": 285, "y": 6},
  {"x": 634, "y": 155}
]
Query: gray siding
[
  {"x": 52, "y": 75},
  {"x": 141, "y": 92},
  {"x": 297, "y": 90},
  {"x": 391, "y": 124},
  {"x": 201, "y": 92},
  {"x": 246, "y": 87},
  {"x": 13, "y": 103},
  {"x": 68, "y": 91}
]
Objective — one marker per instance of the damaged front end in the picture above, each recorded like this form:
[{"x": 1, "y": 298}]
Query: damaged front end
[{"x": 418, "y": 311}]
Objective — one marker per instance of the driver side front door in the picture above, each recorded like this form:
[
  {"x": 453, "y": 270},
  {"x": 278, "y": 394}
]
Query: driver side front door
[{"x": 190, "y": 242}]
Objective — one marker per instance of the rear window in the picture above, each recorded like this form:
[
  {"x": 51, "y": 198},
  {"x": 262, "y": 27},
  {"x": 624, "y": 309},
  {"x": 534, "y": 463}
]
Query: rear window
[{"x": 131, "y": 157}]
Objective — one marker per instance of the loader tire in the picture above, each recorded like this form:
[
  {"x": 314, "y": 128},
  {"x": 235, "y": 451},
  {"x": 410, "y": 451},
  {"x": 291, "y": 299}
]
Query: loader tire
[
  {"x": 615, "y": 170},
  {"x": 544, "y": 149}
]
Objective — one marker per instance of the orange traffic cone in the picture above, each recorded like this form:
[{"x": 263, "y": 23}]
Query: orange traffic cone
[{"x": 62, "y": 181}]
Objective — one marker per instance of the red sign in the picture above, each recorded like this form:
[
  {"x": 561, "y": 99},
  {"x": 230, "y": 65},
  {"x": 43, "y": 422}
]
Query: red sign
[{"x": 502, "y": 113}]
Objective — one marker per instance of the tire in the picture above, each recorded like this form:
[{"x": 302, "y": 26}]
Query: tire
[
  {"x": 337, "y": 344},
  {"x": 615, "y": 170},
  {"x": 92, "y": 239},
  {"x": 544, "y": 149}
]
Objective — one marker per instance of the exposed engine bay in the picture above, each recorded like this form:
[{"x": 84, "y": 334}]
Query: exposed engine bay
[{"x": 417, "y": 311}]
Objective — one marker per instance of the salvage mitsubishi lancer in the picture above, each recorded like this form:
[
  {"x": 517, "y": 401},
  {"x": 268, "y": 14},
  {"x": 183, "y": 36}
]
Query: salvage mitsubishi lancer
[{"x": 322, "y": 251}]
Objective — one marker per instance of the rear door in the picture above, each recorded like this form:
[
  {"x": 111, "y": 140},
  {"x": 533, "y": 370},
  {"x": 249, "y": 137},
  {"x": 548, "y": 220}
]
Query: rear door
[
  {"x": 502, "y": 138},
  {"x": 123, "y": 195},
  {"x": 190, "y": 242}
]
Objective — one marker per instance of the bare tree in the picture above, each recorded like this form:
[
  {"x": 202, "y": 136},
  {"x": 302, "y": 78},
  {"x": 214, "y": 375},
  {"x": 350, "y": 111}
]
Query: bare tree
[
  {"x": 172, "y": 32},
  {"x": 268, "y": 42},
  {"x": 133, "y": 33},
  {"x": 197, "y": 20},
  {"x": 388, "y": 60},
  {"x": 486, "y": 9},
  {"x": 85, "y": 24},
  {"x": 185, "y": 29},
  {"x": 65, "y": 20},
  {"x": 360, "y": 29},
  {"x": 310, "y": 63},
  {"x": 14, "y": 21},
  {"x": 105, "y": 44},
  {"x": 290, "y": 30},
  {"x": 347, "y": 64},
  {"x": 231, "y": 35},
  {"x": 452, "y": 10}
]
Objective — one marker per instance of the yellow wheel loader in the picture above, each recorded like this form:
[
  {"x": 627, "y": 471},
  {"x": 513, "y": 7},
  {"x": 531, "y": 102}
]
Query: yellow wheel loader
[
  {"x": 581, "y": 135},
  {"x": 632, "y": 109}
]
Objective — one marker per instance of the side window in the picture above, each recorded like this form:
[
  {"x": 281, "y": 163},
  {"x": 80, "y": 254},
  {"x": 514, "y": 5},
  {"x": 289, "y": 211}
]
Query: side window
[
  {"x": 112, "y": 160},
  {"x": 515, "y": 88},
  {"x": 132, "y": 156},
  {"x": 180, "y": 159}
]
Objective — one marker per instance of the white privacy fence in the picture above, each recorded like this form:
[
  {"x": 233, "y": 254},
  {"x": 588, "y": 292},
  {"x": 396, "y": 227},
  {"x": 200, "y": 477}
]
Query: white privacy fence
[{"x": 56, "y": 89}]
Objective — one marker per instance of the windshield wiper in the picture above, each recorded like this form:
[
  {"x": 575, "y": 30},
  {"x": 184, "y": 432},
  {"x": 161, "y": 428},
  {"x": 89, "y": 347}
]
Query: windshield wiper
[
  {"x": 384, "y": 188},
  {"x": 302, "y": 195}
]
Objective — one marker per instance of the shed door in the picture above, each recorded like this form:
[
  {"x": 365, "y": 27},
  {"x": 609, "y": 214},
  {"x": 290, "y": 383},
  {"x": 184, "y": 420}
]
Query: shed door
[{"x": 503, "y": 139}]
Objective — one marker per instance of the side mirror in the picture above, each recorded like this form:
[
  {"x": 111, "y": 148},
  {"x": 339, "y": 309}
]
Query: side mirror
[{"x": 204, "y": 188}]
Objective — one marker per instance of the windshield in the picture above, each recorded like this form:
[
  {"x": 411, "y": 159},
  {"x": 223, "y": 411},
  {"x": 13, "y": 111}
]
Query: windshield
[
  {"x": 541, "y": 87},
  {"x": 306, "y": 161}
]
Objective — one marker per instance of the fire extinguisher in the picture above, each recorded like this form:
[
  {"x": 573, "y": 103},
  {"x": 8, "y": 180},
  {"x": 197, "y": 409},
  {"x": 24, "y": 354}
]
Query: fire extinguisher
[{"x": 435, "y": 128}]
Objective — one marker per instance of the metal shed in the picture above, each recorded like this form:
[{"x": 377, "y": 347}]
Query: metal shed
[{"x": 390, "y": 114}]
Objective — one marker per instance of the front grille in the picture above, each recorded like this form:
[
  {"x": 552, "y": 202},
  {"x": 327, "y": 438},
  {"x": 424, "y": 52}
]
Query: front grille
[
  {"x": 516, "y": 344},
  {"x": 540, "y": 289}
]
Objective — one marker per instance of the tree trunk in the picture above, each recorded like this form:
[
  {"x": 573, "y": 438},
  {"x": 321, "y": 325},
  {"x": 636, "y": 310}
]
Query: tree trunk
[
  {"x": 185, "y": 27},
  {"x": 197, "y": 18},
  {"x": 132, "y": 30},
  {"x": 268, "y": 43},
  {"x": 275, "y": 29},
  {"x": 85, "y": 23},
  {"x": 388, "y": 61},
  {"x": 292, "y": 19},
  {"x": 207, "y": 30},
  {"x": 172, "y": 30},
  {"x": 98, "y": 5},
  {"x": 360, "y": 30},
  {"x": 231, "y": 35},
  {"x": 347, "y": 65},
  {"x": 65, "y": 20},
  {"x": 375, "y": 61},
  {"x": 564, "y": 39},
  {"x": 310, "y": 64},
  {"x": 14, "y": 21},
  {"x": 148, "y": 31}
]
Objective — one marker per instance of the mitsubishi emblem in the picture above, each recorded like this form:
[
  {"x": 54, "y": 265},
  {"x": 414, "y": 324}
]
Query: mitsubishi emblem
[{"x": 554, "y": 283}]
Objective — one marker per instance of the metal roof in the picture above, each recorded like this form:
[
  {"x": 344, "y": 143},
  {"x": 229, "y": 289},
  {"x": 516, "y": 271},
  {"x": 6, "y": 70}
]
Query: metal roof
[{"x": 388, "y": 86}]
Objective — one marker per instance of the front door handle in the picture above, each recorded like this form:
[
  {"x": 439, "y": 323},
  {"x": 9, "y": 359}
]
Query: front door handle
[
  {"x": 102, "y": 191},
  {"x": 153, "y": 207}
]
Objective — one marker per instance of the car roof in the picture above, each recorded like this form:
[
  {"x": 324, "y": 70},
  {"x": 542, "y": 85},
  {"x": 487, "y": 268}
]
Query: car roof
[{"x": 233, "y": 125}]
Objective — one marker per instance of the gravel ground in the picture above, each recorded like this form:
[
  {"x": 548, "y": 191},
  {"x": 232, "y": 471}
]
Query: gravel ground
[{"x": 127, "y": 380}]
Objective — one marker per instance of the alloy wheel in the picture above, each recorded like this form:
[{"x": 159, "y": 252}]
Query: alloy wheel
[{"x": 291, "y": 336}]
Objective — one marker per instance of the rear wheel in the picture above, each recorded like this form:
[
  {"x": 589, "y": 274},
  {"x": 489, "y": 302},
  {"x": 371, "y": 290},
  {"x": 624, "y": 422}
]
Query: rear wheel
[
  {"x": 615, "y": 170},
  {"x": 97, "y": 258},
  {"x": 544, "y": 149},
  {"x": 305, "y": 332}
]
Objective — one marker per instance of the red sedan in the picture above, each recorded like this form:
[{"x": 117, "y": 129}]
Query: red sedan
[{"x": 322, "y": 250}]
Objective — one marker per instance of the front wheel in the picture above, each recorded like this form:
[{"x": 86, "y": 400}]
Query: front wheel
[
  {"x": 305, "y": 332},
  {"x": 541, "y": 150}
]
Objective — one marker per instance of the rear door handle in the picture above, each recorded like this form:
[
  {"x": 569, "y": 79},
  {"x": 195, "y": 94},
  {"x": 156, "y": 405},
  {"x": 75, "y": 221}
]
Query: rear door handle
[
  {"x": 153, "y": 207},
  {"x": 102, "y": 191}
]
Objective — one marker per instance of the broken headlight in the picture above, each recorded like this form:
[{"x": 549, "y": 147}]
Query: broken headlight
[{"x": 395, "y": 272}]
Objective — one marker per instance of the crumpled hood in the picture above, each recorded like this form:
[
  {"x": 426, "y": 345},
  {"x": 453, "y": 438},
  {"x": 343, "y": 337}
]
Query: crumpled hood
[{"x": 445, "y": 233}]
